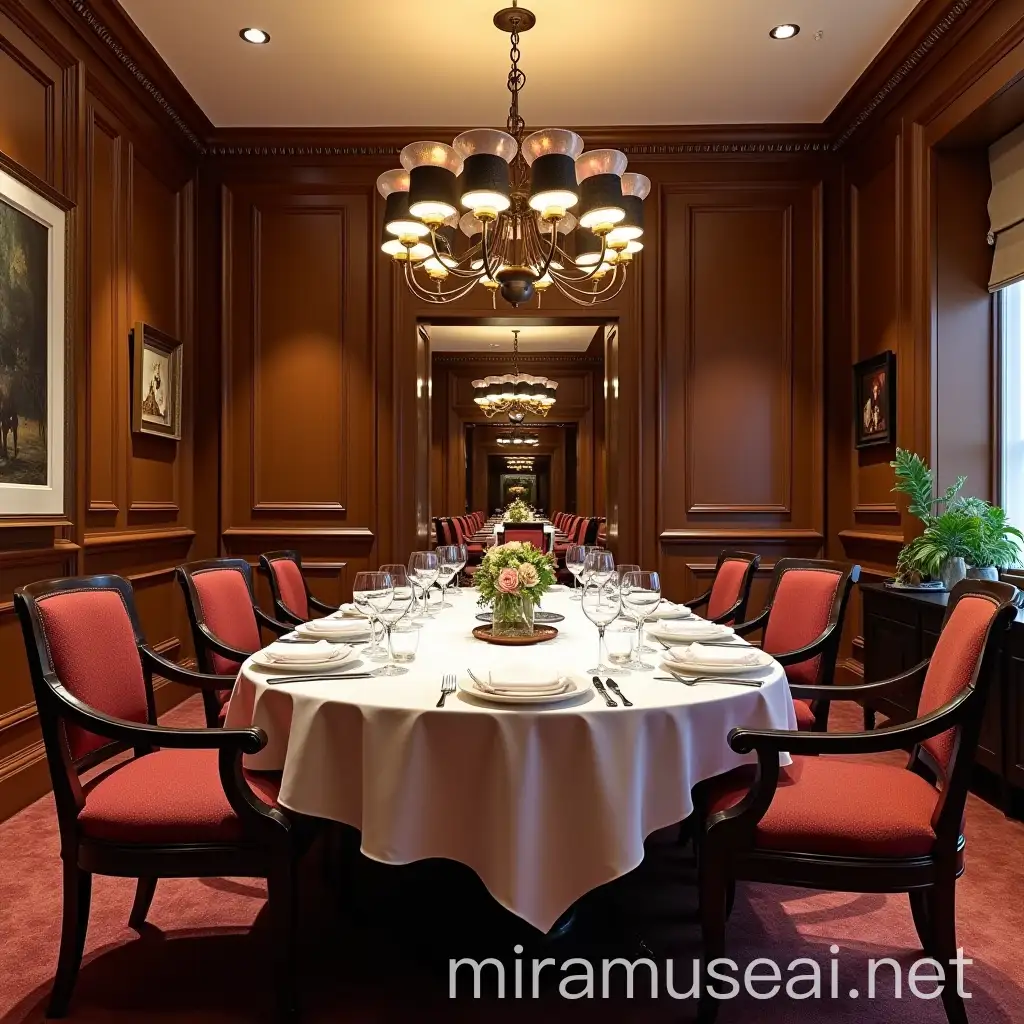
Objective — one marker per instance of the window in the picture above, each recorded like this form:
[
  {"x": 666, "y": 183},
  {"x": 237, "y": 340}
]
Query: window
[{"x": 1013, "y": 402}]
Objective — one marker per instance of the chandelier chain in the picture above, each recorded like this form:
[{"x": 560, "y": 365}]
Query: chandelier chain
[{"x": 516, "y": 81}]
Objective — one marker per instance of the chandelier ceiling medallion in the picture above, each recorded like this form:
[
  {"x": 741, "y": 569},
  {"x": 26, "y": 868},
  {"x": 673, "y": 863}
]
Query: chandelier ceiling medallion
[
  {"x": 515, "y": 393},
  {"x": 522, "y": 201},
  {"x": 519, "y": 440}
]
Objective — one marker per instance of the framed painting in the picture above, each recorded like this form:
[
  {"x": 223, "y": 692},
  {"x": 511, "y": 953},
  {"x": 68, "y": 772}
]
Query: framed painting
[
  {"x": 874, "y": 400},
  {"x": 33, "y": 414},
  {"x": 156, "y": 383}
]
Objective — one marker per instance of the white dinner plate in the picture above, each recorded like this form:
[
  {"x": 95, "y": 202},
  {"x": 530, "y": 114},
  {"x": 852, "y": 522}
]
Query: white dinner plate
[
  {"x": 691, "y": 633},
  {"x": 667, "y": 610},
  {"x": 696, "y": 668},
  {"x": 346, "y": 632},
  {"x": 557, "y": 588},
  {"x": 580, "y": 686},
  {"x": 343, "y": 660}
]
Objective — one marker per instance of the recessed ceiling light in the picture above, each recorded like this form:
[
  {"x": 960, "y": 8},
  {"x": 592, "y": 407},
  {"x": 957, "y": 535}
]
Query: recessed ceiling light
[
  {"x": 255, "y": 35},
  {"x": 784, "y": 31}
]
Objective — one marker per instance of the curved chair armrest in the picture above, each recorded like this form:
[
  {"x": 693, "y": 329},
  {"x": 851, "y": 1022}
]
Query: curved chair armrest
[
  {"x": 320, "y": 606},
  {"x": 698, "y": 602},
  {"x": 275, "y": 627},
  {"x": 808, "y": 651},
  {"x": 219, "y": 647},
  {"x": 287, "y": 616},
  {"x": 245, "y": 741},
  {"x": 898, "y": 737},
  {"x": 862, "y": 690},
  {"x": 179, "y": 674},
  {"x": 753, "y": 624}
]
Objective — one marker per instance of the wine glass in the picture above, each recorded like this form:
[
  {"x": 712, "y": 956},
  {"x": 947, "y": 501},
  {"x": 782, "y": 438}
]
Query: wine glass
[
  {"x": 463, "y": 559},
  {"x": 621, "y": 571},
  {"x": 447, "y": 568},
  {"x": 575, "y": 557},
  {"x": 600, "y": 605},
  {"x": 599, "y": 566},
  {"x": 372, "y": 591},
  {"x": 401, "y": 604},
  {"x": 423, "y": 568},
  {"x": 641, "y": 594}
]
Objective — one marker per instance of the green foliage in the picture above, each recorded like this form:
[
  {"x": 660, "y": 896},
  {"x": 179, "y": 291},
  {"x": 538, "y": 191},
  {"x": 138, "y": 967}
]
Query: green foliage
[
  {"x": 518, "y": 512},
  {"x": 966, "y": 527},
  {"x": 534, "y": 583}
]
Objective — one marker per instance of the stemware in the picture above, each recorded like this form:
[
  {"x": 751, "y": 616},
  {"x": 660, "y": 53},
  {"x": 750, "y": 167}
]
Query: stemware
[
  {"x": 641, "y": 594},
  {"x": 397, "y": 609},
  {"x": 463, "y": 560},
  {"x": 621, "y": 571},
  {"x": 575, "y": 557},
  {"x": 447, "y": 568},
  {"x": 423, "y": 569},
  {"x": 600, "y": 605},
  {"x": 372, "y": 591}
]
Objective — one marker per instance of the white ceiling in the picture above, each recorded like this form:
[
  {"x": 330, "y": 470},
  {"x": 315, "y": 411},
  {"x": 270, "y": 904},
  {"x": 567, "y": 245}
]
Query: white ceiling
[
  {"x": 358, "y": 63},
  {"x": 469, "y": 338}
]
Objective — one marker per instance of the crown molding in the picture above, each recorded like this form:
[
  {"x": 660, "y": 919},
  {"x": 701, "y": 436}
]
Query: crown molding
[
  {"x": 581, "y": 360},
  {"x": 931, "y": 24}
]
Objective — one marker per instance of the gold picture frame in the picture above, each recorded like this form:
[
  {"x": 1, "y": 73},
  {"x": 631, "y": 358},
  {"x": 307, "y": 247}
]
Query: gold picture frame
[{"x": 156, "y": 382}]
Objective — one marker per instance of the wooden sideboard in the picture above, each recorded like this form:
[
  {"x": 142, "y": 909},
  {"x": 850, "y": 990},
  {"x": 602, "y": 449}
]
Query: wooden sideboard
[{"x": 900, "y": 629}]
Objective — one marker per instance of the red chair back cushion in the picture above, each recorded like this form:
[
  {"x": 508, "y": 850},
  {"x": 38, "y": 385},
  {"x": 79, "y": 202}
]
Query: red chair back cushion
[
  {"x": 448, "y": 531},
  {"x": 952, "y": 666},
  {"x": 291, "y": 585},
  {"x": 800, "y": 613},
  {"x": 92, "y": 646},
  {"x": 534, "y": 537},
  {"x": 227, "y": 610},
  {"x": 726, "y": 587}
]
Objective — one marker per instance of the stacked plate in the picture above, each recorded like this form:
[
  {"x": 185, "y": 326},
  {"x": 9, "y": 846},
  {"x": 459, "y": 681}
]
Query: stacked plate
[
  {"x": 514, "y": 683},
  {"x": 316, "y": 657},
  {"x": 690, "y": 631},
  {"x": 668, "y": 610},
  {"x": 702, "y": 660},
  {"x": 337, "y": 628}
]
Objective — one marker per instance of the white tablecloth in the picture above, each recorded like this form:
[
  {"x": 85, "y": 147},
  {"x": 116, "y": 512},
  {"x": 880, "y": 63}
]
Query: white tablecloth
[{"x": 543, "y": 803}]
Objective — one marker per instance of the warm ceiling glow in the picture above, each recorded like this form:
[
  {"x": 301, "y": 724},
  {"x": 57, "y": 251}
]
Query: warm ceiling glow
[
  {"x": 255, "y": 35},
  {"x": 784, "y": 31}
]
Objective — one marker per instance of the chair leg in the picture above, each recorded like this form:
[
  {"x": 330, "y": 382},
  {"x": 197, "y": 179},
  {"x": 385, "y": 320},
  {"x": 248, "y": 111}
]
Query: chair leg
[
  {"x": 74, "y": 923},
  {"x": 143, "y": 898},
  {"x": 713, "y": 886},
  {"x": 922, "y": 920},
  {"x": 942, "y": 916},
  {"x": 281, "y": 885}
]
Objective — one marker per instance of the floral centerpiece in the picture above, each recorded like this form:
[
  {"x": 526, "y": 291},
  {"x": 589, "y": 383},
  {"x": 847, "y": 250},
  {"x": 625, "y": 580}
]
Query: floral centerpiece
[
  {"x": 512, "y": 579},
  {"x": 519, "y": 512}
]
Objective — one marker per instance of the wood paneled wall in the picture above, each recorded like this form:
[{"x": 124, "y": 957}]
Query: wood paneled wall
[{"x": 75, "y": 127}]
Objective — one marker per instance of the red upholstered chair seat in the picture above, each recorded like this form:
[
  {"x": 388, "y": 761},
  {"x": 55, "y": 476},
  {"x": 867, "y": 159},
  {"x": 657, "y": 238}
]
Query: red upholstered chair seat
[
  {"x": 227, "y": 608},
  {"x": 846, "y": 808},
  {"x": 804, "y": 713},
  {"x": 168, "y": 796}
]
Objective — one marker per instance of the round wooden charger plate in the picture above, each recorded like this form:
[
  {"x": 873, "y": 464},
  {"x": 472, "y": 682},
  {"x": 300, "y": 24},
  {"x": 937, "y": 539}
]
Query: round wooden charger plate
[{"x": 541, "y": 634}]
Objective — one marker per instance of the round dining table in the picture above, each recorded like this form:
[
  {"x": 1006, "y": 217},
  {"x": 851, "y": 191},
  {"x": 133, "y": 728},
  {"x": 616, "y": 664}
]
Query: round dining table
[{"x": 545, "y": 802}]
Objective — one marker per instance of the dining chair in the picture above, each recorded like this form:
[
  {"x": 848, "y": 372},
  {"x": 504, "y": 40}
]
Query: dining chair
[
  {"x": 181, "y": 807},
  {"x": 726, "y": 599},
  {"x": 463, "y": 535},
  {"x": 526, "y": 533},
  {"x": 803, "y": 626},
  {"x": 293, "y": 601},
  {"x": 225, "y": 622},
  {"x": 853, "y": 826}
]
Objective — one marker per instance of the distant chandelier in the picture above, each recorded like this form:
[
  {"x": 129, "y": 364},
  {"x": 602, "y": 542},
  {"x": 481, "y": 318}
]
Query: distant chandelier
[
  {"x": 519, "y": 439},
  {"x": 517, "y": 192},
  {"x": 515, "y": 393},
  {"x": 520, "y": 462}
]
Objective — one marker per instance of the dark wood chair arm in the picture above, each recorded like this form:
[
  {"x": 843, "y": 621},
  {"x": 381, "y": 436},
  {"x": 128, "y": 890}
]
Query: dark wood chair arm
[
  {"x": 269, "y": 622},
  {"x": 288, "y": 616},
  {"x": 321, "y": 606},
  {"x": 862, "y": 690},
  {"x": 753, "y": 625},
  {"x": 897, "y": 737},
  {"x": 219, "y": 647},
  {"x": 179, "y": 674},
  {"x": 698, "y": 602},
  {"x": 138, "y": 734},
  {"x": 808, "y": 651}
]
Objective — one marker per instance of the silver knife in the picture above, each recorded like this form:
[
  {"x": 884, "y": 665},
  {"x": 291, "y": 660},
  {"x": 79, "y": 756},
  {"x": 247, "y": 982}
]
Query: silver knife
[
  {"x": 599, "y": 686},
  {"x": 317, "y": 679},
  {"x": 614, "y": 687}
]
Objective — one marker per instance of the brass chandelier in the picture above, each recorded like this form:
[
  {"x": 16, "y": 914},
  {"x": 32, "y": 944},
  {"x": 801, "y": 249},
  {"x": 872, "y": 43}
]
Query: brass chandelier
[
  {"x": 520, "y": 462},
  {"x": 515, "y": 393},
  {"x": 522, "y": 201},
  {"x": 519, "y": 440}
]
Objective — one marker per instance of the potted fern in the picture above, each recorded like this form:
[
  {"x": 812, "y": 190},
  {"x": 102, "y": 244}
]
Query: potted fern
[{"x": 962, "y": 536}]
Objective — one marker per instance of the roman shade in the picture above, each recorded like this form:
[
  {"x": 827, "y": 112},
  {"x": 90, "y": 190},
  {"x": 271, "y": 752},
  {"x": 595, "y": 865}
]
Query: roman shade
[{"x": 1006, "y": 209}]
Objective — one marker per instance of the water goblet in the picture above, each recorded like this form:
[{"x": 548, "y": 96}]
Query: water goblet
[
  {"x": 372, "y": 591},
  {"x": 641, "y": 595},
  {"x": 447, "y": 568},
  {"x": 423, "y": 569},
  {"x": 400, "y": 608},
  {"x": 600, "y": 605},
  {"x": 575, "y": 558}
]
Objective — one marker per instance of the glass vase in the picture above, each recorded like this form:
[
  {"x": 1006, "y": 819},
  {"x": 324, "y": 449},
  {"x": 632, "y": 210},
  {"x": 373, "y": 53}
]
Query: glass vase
[{"x": 512, "y": 615}]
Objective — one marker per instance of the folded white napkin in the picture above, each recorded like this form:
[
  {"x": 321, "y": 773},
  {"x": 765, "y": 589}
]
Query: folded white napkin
[
  {"x": 694, "y": 627},
  {"x": 335, "y": 627},
  {"x": 512, "y": 677},
  {"x": 669, "y": 610},
  {"x": 699, "y": 654},
  {"x": 297, "y": 654},
  {"x": 347, "y": 611}
]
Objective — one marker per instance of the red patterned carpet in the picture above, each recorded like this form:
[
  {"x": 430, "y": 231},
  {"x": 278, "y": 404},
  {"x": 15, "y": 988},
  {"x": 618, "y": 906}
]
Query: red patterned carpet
[{"x": 200, "y": 959}]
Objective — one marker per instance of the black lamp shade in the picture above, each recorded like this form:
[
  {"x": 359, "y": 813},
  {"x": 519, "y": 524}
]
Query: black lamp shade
[
  {"x": 600, "y": 192},
  {"x": 431, "y": 184},
  {"x": 484, "y": 172},
  {"x": 634, "y": 207},
  {"x": 587, "y": 242},
  {"x": 396, "y": 208},
  {"x": 553, "y": 172}
]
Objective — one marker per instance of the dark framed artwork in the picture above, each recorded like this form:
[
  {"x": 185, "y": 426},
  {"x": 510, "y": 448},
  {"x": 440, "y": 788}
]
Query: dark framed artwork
[
  {"x": 874, "y": 400},
  {"x": 156, "y": 383}
]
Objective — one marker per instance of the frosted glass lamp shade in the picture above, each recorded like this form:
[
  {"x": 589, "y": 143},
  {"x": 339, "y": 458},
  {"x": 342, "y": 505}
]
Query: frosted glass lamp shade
[
  {"x": 551, "y": 140},
  {"x": 598, "y": 161},
  {"x": 431, "y": 154},
  {"x": 486, "y": 140},
  {"x": 634, "y": 184},
  {"x": 393, "y": 181}
]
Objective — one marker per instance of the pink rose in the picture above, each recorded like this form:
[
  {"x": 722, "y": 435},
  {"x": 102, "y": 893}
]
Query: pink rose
[{"x": 508, "y": 581}]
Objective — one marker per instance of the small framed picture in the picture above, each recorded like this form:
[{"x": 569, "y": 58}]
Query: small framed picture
[
  {"x": 156, "y": 383},
  {"x": 874, "y": 400}
]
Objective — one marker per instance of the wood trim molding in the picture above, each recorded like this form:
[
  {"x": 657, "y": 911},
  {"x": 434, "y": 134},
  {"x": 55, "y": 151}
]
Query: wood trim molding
[
  {"x": 298, "y": 507},
  {"x": 153, "y": 506},
  {"x": 333, "y": 532},
  {"x": 728, "y": 536},
  {"x": 127, "y": 537}
]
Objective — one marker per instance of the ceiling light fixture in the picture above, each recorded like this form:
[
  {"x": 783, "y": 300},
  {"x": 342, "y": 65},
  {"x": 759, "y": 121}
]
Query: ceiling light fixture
[
  {"x": 519, "y": 439},
  {"x": 784, "y": 31},
  {"x": 515, "y": 393},
  {"x": 515, "y": 197},
  {"x": 256, "y": 36}
]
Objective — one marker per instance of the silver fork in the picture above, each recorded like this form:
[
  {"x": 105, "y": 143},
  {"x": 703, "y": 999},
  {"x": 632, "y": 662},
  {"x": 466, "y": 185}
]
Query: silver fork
[{"x": 447, "y": 686}]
